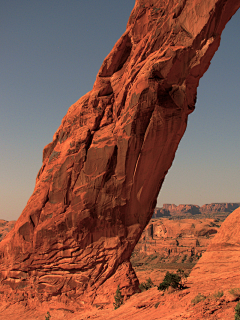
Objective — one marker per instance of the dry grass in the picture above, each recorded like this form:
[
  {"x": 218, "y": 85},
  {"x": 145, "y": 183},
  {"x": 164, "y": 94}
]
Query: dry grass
[
  {"x": 235, "y": 292},
  {"x": 200, "y": 297},
  {"x": 216, "y": 295}
]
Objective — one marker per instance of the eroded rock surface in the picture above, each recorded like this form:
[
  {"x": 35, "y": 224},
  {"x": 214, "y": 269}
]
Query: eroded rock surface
[{"x": 101, "y": 174}]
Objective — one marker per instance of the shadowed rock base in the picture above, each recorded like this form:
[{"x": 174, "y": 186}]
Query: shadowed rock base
[{"x": 101, "y": 174}]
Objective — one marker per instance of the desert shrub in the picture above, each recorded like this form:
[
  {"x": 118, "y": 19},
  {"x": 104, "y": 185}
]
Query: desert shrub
[
  {"x": 235, "y": 292},
  {"x": 48, "y": 316},
  {"x": 216, "y": 295},
  {"x": 118, "y": 298},
  {"x": 170, "y": 280},
  {"x": 146, "y": 285},
  {"x": 200, "y": 297},
  {"x": 156, "y": 304},
  {"x": 237, "y": 312},
  {"x": 174, "y": 280}
]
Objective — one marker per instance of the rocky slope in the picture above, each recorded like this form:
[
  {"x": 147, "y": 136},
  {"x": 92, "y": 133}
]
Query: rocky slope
[{"x": 101, "y": 174}]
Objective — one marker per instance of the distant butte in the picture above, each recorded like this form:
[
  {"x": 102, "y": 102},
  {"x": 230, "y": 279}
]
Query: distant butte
[{"x": 101, "y": 174}]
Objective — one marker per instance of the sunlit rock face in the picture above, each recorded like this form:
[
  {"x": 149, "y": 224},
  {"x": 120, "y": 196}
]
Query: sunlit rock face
[
  {"x": 101, "y": 174},
  {"x": 219, "y": 266}
]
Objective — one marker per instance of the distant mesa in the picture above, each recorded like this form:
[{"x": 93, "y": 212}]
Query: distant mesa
[{"x": 171, "y": 210}]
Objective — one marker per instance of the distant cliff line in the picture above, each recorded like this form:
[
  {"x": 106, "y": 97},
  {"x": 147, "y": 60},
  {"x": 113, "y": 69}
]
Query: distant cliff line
[{"x": 172, "y": 210}]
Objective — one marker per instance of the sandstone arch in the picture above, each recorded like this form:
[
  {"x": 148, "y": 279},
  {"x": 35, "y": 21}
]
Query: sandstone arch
[{"x": 102, "y": 172}]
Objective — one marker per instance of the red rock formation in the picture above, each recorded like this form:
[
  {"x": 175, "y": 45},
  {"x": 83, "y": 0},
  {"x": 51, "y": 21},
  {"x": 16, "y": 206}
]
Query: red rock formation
[
  {"x": 101, "y": 174},
  {"x": 219, "y": 265},
  {"x": 219, "y": 207},
  {"x": 180, "y": 209}
]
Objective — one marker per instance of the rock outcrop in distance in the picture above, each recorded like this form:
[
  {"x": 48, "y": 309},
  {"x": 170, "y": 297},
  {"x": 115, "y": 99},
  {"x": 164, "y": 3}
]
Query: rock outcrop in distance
[
  {"x": 177, "y": 241},
  {"x": 101, "y": 174},
  {"x": 219, "y": 207},
  {"x": 172, "y": 210},
  {"x": 5, "y": 227}
]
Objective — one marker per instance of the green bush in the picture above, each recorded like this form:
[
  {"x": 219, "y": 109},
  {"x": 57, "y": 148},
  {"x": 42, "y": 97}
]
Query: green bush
[
  {"x": 146, "y": 285},
  {"x": 118, "y": 298},
  {"x": 237, "y": 310},
  {"x": 174, "y": 280},
  {"x": 48, "y": 316},
  {"x": 170, "y": 280},
  {"x": 200, "y": 297}
]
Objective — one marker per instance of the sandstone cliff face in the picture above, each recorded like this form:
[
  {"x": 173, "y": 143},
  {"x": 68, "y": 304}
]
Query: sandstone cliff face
[{"x": 101, "y": 174}]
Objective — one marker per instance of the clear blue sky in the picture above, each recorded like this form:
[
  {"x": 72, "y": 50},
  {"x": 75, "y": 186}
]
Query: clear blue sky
[{"x": 50, "y": 54}]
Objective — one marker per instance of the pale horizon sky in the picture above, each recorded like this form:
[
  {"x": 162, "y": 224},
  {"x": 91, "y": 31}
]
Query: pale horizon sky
[{"x": 51, "y": 52}]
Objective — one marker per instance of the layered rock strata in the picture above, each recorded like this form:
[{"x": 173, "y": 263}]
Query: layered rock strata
[
  {"x": 219, "y": 207},
  {"x": 182, "y": 209},
  {"x": 101, "y": 174}
]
